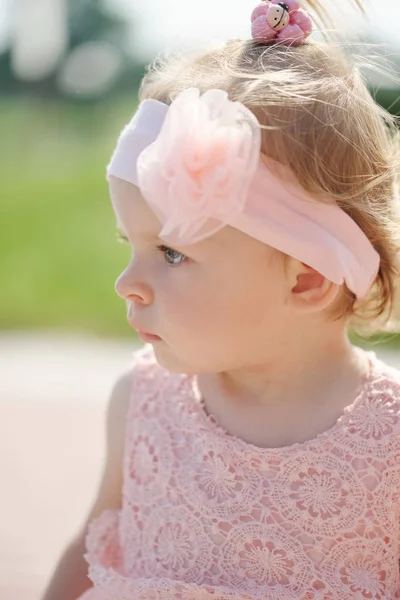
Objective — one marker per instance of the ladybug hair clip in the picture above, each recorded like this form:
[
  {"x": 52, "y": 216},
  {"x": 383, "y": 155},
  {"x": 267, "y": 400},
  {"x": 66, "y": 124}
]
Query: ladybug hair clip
[{"x": 284, "y": 22}]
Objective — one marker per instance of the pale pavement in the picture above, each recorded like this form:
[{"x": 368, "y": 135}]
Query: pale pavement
[{"x": 53, "y": 393}]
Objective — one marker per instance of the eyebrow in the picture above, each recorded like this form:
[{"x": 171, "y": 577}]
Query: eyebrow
[
  {"x": 145, "y": 236},
  {"x": 209, "y": 242}
]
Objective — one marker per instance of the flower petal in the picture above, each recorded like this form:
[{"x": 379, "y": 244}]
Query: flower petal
[
  {"x": 292, "y": 34},
  {"x": 197, "y": 174},
  {"x": 301, "y": 18},
  {"x": 260, "y": 30}
]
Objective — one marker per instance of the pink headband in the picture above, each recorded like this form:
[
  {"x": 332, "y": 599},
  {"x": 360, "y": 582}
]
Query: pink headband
[{"x": 197, "y": 164}]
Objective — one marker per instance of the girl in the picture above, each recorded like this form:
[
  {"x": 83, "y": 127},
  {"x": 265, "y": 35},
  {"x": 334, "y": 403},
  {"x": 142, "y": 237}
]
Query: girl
[{"x": 260, "y": 449}]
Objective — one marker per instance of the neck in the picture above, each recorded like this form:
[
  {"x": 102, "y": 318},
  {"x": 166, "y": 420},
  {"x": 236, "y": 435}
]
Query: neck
[
  {"x": 300, "y": 389},
  {"x": 293, "y": 370}
]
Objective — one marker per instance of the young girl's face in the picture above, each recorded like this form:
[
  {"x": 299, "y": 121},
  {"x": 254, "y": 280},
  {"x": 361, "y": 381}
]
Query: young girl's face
[{"x": 216, "y": 305}]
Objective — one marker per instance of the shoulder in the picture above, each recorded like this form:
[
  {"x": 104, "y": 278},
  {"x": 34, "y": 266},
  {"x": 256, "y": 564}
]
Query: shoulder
[
  {"x": 383, "y": 400},
  {"x": 141, "y": 368},
  {"x": 370, "y": 427},
  {"x": 386, "y": 379},
  {"x": 119, "y": 399}
]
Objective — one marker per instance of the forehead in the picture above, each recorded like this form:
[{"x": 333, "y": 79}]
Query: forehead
[
  {"x": 138, "y": 221},
  {"x": 132, "y": 212}
]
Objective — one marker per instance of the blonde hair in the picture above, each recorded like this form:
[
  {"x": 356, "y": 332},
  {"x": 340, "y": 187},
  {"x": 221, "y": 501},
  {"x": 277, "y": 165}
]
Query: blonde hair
[{"x": 318, "y": 118}]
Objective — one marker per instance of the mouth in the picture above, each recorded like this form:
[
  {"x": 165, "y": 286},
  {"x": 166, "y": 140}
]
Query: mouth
[{"x": 145, "y": 336}]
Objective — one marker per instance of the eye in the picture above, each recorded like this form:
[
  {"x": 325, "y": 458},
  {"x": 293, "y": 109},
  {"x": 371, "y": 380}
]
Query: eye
[{"x": 173, "y": 257}]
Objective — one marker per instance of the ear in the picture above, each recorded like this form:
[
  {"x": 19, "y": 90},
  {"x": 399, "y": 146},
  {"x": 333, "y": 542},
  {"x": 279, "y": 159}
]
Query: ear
[{"x": 309, "y": 290}]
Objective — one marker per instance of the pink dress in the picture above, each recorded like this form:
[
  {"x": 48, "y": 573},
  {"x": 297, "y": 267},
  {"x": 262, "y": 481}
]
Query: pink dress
[{"x": 207, "y": 516}]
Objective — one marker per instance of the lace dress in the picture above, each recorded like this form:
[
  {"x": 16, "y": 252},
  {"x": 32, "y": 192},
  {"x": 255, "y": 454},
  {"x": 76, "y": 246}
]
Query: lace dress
[{"x": 206, "y": 515}]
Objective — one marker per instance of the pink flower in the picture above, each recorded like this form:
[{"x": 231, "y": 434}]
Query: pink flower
[
  {"x": 292, "y": 34},
  {"x": 301, "y": 18},
  {"x": 196, "y": 175},
  {"x": 260, "y": 29},
  {"x": 259, "y": 11},
  {"x": 297, "y": 24}
]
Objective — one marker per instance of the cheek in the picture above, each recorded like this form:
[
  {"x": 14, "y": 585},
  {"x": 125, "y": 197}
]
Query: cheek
[
  {"x": 188, "y": 301},
  {"x": 186, "y": 304},
  {"x": 252, "y": 292},
  {"x": 225, "y": 301}
]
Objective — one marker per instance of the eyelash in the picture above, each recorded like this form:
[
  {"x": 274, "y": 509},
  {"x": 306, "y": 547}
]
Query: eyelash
[
  {"x": 161, "y": 248},
  {"x": 175, "y": 253}
]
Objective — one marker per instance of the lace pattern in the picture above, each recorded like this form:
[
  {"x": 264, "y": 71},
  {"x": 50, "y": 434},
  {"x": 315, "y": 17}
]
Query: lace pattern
[{"x": 208, "y": 516}]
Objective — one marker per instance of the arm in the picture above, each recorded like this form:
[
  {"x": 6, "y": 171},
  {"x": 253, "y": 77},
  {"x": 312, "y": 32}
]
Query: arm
[{"x": 70, "y": 578}]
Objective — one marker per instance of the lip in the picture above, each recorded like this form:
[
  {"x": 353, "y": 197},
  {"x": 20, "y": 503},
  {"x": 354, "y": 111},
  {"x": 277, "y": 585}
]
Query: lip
[{"x": 147, "y": 337}]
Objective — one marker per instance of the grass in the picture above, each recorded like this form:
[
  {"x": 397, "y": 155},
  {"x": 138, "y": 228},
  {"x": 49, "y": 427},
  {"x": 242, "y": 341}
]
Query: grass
[{"x": 59, "y": 252}]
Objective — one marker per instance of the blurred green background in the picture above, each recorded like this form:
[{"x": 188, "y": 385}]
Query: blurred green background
[
  {"x": 58, "y": 244},
  {"x": 59, "y": 254},
  {"x": 57, "y": 229}
]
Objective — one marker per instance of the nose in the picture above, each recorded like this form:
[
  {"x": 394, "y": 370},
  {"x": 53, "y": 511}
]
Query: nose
[{"x": 130, "y": 287}]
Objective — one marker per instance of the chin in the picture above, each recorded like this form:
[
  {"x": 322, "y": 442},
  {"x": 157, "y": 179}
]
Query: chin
[
  {"x": 170, "y": 361},
  {"x": 176, "y": 363}
]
